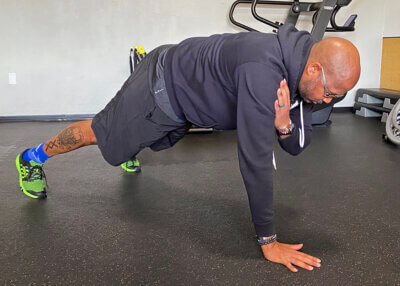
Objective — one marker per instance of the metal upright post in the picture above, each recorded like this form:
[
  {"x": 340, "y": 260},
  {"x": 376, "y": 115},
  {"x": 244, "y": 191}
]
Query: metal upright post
[{"x": 323, "y": 18}]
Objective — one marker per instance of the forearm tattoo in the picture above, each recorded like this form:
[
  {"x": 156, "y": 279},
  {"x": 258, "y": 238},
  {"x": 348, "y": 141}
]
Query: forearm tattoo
[{"x": 67, "y": 139}]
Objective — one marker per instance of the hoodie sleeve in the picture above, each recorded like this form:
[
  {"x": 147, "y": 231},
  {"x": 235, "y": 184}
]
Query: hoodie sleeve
[
  {"x": 256, "y": 87},
  {"x": 291, "y": 144}
]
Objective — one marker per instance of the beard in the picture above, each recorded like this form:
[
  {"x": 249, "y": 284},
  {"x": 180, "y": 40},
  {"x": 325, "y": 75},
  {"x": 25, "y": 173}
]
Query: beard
[{"x": 306, "y": 89}]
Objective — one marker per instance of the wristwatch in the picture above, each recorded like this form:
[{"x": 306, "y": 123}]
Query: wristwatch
[
  {"x": 286, "y": 130},
  {"x": 265, "y": 240}
]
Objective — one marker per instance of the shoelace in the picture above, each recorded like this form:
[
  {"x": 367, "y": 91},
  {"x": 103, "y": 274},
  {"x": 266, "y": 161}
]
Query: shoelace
[
  {"x": 37, "y": 173},
  {"x": 131, "y": 163}
]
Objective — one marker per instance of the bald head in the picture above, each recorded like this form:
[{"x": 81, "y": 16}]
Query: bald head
[
  {"x": 333, "y": 68},
  {"x": 340, "y": 60}
]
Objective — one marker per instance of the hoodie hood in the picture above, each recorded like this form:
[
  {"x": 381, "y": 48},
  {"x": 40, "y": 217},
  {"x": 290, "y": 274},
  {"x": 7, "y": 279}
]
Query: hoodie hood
[{"x": 296, "y": 47}]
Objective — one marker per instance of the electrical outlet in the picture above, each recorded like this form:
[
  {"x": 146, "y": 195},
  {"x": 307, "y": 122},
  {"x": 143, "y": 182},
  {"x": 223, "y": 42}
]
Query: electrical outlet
[{"x": 12, "y": 78}]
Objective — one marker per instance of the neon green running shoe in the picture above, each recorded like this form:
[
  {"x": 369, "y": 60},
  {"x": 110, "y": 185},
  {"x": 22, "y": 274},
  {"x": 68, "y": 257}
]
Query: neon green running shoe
[
  {"x": 32, "y": 179},
  {"x": 131, "y": 166}
]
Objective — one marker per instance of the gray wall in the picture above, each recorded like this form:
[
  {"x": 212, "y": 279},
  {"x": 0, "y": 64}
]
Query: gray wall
[{"x": 70, "y": 57}]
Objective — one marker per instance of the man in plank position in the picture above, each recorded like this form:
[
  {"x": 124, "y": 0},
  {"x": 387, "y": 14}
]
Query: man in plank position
[{"x": 263, "y": 85}]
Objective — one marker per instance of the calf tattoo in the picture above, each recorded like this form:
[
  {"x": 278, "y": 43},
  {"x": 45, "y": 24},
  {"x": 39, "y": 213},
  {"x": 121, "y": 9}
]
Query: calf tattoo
[{"x": 67, "y": 139}]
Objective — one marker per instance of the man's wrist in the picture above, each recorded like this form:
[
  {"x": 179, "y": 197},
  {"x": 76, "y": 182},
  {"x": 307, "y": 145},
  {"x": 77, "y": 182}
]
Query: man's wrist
[
  {"x": 286, "y": 124},
  {"x": 267, "y": 247},
  {"x": 266, "y": 240},
  {"x": 288, "y": 130}
]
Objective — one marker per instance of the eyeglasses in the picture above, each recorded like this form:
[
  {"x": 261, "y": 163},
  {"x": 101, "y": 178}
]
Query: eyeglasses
[{"x": 327, "y": 94}]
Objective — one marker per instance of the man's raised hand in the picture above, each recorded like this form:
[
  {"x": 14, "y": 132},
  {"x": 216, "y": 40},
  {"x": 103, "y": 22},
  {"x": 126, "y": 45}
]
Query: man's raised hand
[{"x": 282, "y": 106}]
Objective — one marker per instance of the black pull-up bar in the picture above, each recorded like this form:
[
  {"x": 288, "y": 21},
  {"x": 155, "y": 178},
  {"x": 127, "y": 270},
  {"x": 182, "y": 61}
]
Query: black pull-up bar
[
  {"x": 294, "y": 11},
  {"x": 326, "y": 11},
  {"x": 263, "y": 2}
]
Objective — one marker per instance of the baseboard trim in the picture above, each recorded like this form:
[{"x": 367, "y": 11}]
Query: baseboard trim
[
  {"x": 342, "y": 109},
  {"x": 46, "y": 118},
  {"x": 78, "y": 117}
]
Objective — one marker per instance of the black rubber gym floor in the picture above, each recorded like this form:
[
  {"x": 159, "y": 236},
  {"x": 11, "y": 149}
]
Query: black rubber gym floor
[{"x": 185, "y": 219}]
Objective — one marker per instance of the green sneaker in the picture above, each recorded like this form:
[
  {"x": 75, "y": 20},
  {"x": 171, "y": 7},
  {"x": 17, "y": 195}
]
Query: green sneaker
[
  {"x": 131, "y": 166},
  {"x": 32, "y": 179}
]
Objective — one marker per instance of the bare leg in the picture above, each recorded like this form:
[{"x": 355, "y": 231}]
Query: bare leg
[{"x": 74, "y": 136}]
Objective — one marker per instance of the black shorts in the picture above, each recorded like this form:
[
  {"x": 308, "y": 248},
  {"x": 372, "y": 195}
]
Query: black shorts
[{"x": 132, "y": 120}]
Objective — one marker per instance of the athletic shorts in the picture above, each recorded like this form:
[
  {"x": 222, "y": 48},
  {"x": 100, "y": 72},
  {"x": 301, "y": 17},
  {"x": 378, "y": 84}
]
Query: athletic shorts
[{"x": 132, "y": 120}]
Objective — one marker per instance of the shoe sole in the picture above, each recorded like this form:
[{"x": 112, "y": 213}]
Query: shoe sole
[{"x": 43, "y": 196}]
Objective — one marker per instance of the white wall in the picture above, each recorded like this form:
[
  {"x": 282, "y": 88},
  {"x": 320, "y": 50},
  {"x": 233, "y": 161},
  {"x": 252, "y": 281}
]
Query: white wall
[
  {"x": 368, "y": 40},
  {"x": 392, "y": 19},
  {"x": 71, "y": 56}
]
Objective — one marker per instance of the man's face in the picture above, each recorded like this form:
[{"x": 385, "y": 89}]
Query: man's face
[
  {"x": 311, "y": 91},
  {"x": 314, "y": 89}
]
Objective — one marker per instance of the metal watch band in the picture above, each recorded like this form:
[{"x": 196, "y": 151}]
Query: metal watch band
[
  {"x": 286, "y": 130},
  {"x": 265, "y": 240}
]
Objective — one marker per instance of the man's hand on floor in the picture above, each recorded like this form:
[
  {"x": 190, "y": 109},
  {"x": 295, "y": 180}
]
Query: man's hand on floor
[{"x": 289, "y": 255}]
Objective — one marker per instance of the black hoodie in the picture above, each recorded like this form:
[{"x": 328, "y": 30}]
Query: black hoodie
[{"x": 229, "y": 81}]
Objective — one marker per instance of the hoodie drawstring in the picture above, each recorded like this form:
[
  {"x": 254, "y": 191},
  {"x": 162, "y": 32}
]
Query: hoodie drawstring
[{"x": 301, "y": 129}]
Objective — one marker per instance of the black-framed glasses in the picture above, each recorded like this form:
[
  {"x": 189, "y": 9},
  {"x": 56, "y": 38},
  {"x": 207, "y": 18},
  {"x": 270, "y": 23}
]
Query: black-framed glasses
[{"x": 327, "y": 94}]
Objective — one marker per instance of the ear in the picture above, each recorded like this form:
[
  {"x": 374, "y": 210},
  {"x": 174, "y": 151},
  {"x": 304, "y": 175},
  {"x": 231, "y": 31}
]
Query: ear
[{"x": 313, "y": 68}]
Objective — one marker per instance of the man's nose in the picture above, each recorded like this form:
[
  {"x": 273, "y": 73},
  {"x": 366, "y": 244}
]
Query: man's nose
[{"x": 327, "y": 99}]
